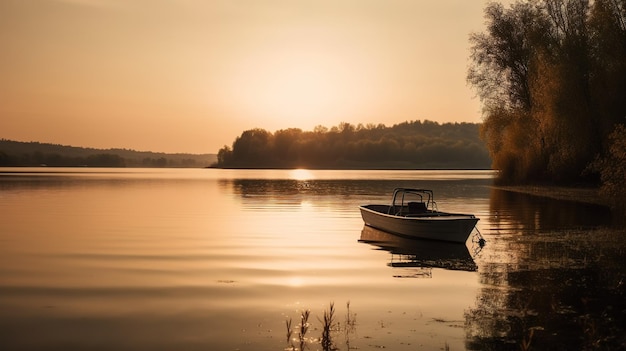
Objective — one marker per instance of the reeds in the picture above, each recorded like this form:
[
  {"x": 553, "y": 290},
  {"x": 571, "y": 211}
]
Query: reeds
[
  {"x": 289, "y": 330},
  {"x": 304, "y": 327},
  {"x": 329, "y": 325},
  {"x": 349, "y": 324}
]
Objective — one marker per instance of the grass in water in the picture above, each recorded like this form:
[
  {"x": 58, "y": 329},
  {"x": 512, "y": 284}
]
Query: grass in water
[
  {"x": 304, "y": 328},
  {"x": 349, "y": 324},
  {"x": 327, "y": 327},
  {"x": 289, "y": 330}
]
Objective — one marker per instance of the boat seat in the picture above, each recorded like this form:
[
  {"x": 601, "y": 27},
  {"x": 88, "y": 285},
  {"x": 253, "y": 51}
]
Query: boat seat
[{"x": 417, "y": 207}]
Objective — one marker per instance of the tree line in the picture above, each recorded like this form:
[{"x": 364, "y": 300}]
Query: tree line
[
  {"x": 34, "y": 154},
  {"x": 408, "y": 145},
  {"x": 38, "y": 158},
  {"x": 551, "y": 75}
]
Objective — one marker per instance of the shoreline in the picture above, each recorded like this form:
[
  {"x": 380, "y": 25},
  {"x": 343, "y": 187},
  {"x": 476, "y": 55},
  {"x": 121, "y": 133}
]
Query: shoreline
[{"x": 584, "y": 195}]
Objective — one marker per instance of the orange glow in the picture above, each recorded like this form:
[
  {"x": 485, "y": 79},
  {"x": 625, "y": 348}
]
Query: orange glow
[
  {"x": 295, "y": 282},
  {"x": 191, "y": 76},
  {"x": 301, "y": 174}
]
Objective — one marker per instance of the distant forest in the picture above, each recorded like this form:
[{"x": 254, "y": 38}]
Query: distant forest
[
  {"x": 408, "y": 145},
  {"x": 551, "y": 75},
  {"x": 32, "y": 154}
]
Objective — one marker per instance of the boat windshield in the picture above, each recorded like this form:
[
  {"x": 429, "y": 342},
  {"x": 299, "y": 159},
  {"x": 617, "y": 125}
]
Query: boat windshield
[{"x": 412, "y": 200}]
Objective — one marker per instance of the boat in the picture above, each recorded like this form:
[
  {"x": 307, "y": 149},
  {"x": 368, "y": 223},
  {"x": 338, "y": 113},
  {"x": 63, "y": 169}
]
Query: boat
[
  {"x": 413, "y": 213},
  {"x": 419, "y": 255}
]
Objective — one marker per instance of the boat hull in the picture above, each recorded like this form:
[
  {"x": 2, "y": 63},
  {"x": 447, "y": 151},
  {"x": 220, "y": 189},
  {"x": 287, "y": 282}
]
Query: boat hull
[
  {"x": 413, "y": 252},
  {"x": 434, "y": 226}
]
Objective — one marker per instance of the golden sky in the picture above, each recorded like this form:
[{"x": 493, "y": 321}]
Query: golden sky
[{"x": 191, "y": 75}]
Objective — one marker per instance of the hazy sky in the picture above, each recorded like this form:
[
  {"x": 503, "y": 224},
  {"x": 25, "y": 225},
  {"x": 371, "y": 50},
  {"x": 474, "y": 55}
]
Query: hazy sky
[{"x": 191, "y": 75}]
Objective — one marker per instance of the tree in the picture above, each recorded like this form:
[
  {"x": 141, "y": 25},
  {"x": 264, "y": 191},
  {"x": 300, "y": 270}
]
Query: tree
[
  {"x": 252, "y": 147},
  {"x": 551, "y": 75},
  {"x": 607, "y": 24},
  {"x": 285, "y": 146},
  {"x": 503, "y": 60},
  {"x": 501, "y": 57},
  {"x": 406, "y": 145},
  {"x": 224, "y": 155},
  {"x": 612, "y": 167}
]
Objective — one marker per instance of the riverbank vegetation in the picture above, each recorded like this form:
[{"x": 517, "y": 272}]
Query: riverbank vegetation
[
  {"x": 551, "y": 75},
  {"x": 34, "y": 154},
  {"x": 408, "y": 145}
]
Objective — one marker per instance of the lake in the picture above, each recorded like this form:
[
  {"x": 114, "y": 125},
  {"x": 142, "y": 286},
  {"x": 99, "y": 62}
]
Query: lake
[{"x": 210, "y": 259}]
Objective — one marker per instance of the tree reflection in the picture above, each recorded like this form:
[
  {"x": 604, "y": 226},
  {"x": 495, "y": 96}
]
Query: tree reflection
[
  {"x": 552, "y": 285},
  {"x": 529, "y": 213}
]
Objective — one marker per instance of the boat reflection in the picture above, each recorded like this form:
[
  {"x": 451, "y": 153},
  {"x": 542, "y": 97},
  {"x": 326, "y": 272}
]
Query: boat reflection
[{"x": 418, "y": 257}]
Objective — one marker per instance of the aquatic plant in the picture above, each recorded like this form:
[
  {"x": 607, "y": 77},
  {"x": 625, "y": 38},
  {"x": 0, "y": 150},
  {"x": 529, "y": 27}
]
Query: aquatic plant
[
  {"x": 304, "y": 327},
  {"x": 327, "y": 326},
  {"x": 349, "y": 325},
  {"x": 350, "y": 322},
  {"x": 289, "y": 330}
]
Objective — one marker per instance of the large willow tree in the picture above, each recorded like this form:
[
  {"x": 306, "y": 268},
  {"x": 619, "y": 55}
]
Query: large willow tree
[{"x": 551, "y": 75}]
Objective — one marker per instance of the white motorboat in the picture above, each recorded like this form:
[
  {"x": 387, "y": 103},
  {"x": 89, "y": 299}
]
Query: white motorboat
[{"x": 413, "y": 213}]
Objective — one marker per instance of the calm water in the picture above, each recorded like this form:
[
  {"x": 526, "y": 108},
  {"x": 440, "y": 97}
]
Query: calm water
[{"x": 206, "y": 259}]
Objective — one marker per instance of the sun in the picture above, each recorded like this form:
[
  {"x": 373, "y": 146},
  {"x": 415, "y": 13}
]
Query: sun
[{"x": 301, "y": 174}]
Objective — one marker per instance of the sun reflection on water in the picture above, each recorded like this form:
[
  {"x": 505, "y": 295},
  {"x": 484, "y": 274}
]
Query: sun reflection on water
[
  {"x": 301, "y": 174},
  {"x": 295, "y": 282}
]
